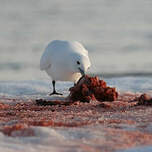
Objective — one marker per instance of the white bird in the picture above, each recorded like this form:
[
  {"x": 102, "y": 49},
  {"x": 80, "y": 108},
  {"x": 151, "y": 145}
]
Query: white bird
[{"x": 64, "y": 61}]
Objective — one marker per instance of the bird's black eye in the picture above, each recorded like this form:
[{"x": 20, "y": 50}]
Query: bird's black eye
[{"x": 78, "y": 62}]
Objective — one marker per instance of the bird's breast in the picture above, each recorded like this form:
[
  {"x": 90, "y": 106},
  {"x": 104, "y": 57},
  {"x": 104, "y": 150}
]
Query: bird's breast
[{"x": 62, "y": 74}]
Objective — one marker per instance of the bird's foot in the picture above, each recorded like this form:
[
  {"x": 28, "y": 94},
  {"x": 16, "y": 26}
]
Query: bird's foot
[{"x": 54, "y": 92}]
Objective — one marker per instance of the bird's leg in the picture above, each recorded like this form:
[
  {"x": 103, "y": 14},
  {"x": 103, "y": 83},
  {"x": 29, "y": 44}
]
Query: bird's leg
[{"x": 54, "y": 91}]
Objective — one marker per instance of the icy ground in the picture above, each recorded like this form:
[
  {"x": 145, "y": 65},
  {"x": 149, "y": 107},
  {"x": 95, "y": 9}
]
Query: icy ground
[
  {"x": 42, "y": 88},
  {"x": 57, "y": 139}
]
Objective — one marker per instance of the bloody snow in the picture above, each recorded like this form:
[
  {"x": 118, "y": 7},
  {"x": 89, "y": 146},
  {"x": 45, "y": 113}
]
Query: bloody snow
[{"x": 19, "y": 118}]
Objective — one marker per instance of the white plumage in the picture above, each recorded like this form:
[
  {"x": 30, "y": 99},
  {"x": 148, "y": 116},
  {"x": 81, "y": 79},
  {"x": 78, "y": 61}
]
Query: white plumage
[{"x": 65, "y": 60}]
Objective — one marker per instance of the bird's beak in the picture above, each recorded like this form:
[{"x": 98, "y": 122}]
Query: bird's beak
[{"x": 82, "y": 72}]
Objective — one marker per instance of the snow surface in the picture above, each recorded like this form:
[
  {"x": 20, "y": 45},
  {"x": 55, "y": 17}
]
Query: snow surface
[
  {"x": 31, "y": 89},
  {"x": 42, "y": 88},
  {"x": 49, "y": 139},
  {"x": 62, "y": 139},
  {"x": 139, "y": 149},
  {"x": 58, "y": 139}
]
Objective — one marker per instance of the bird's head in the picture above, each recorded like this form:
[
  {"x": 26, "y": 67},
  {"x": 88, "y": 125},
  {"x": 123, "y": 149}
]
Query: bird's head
[{"x": 81, "y": 64}]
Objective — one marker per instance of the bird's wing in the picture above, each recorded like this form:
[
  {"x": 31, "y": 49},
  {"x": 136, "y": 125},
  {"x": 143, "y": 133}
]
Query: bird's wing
[
  {"x": 59, "y": 48},
  {"x": 52, "y": 50},
  {"x": 45, "y": 61},
  {"x": 80, "y": 48}
]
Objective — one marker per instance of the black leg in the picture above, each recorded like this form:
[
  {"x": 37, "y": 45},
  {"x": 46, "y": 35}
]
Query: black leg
[
  {"x": 53, "y": 83},
  {"x": 54, "y": 91}
]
